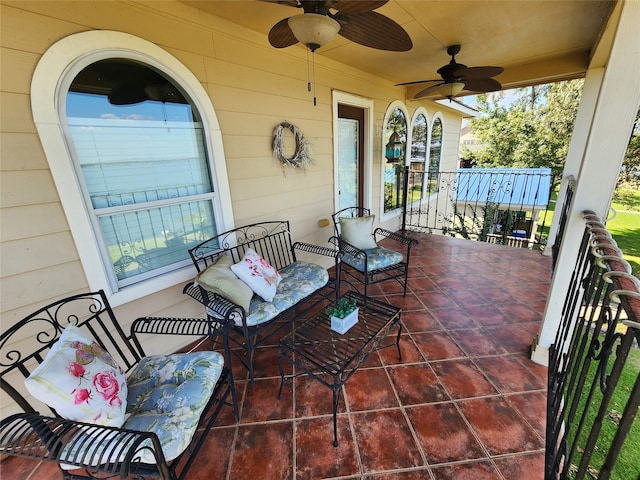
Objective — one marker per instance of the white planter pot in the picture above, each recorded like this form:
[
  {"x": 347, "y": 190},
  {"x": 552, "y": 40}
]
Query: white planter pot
[{"x": 341, "y": 325}]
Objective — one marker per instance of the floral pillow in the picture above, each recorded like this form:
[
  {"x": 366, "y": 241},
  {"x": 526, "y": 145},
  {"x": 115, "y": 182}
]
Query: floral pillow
[
  {"x": 80, "y": 381},
  {"x": 256, "y": 272}
]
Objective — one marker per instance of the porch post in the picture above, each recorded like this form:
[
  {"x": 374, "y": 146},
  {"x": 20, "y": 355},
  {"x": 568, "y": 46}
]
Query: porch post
[{"x": 603, "y": 127}]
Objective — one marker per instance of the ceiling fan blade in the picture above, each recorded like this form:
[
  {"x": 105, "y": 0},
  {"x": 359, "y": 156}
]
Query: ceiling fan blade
[
  {"x": 418, "y": 81},
  {"x": 281, "y": 36},
  {"x": 473, "y": 73},
  {"x": 358, "y": 6},
  {"x": 374, "y": 30},
  {"x": 127, "y": 93},
  {"x": 482, "y": 85},
  {"x": 427, "y": 91}
]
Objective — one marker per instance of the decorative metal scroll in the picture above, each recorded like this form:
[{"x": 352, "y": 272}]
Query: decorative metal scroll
[{"x": 586, "y": 432}]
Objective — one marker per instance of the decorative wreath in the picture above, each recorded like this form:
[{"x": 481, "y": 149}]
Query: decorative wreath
[{"x": 302, "y": 156}]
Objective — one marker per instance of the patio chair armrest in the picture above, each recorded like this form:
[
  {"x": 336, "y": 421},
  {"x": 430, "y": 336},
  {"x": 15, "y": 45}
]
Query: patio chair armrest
[
  {"x": 98, "y": 448},
  {"x": 317, "y": 249},
  {"x": 176, "y": 326},
  {"x": 347, "y": 248},
  {"x": 396, "y": 236},
  {"x": 217, "y": 306}
]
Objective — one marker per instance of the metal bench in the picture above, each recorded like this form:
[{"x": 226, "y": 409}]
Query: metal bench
[{"x": 301, "y": 282}]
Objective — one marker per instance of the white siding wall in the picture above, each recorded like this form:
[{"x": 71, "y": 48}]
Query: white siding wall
[{"x": 252, "y": 86}]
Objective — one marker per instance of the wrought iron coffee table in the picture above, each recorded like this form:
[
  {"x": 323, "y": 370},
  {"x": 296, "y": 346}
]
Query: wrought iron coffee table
[{"x": 331, "y": 358}]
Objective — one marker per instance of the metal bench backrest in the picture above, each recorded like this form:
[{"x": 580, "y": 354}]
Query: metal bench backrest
[
  {"x": 271, "y": 240},
  {"x": 24, "y": 345},
  {"x": 349, "y": 212}
]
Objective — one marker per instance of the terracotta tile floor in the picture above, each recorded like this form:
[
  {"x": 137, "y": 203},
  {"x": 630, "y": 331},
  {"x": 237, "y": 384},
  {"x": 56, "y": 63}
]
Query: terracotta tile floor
[{"x": 465, "y": 403}]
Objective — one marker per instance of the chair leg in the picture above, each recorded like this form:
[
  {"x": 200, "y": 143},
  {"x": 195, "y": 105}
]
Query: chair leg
[
  {"x": 232, "y": 385},
  {"x": 250, "y": 351},
  {"x": 406, "y": 279},
  {"x": 336, "y": 283},
  {"x": 366, "y": 287}
]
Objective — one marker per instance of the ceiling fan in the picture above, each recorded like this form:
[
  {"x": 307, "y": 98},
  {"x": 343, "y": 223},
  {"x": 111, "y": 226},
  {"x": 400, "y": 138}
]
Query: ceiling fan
[
  {"x": 457, "y": 77},
  {"x": 353, "y": 19}
]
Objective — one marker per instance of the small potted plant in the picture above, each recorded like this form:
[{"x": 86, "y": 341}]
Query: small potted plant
[{"x": 344, "y": 314}]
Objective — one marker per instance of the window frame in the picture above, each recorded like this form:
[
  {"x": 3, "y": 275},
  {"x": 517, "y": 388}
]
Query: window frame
[
  {"x": 396, "y": 212},
  {"x": 421, "y": 111},
  {"x": 62, "y": 62},
  {"x": 437, "y": 117}
]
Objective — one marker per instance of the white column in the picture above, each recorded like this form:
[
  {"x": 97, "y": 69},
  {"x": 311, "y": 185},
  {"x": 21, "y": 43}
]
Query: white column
[{"x": 603, "y": 126}]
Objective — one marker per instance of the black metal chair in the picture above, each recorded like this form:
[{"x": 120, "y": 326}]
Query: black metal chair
[
  {"x": 363, "y": 260},
  {"x": 98, "y": 449}
]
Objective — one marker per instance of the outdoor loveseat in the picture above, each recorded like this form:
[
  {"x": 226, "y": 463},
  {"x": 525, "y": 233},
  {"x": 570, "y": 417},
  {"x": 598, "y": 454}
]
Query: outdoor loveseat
[
  {"x": 114, "y": 411},
  {"x": 254, "y": 319}
]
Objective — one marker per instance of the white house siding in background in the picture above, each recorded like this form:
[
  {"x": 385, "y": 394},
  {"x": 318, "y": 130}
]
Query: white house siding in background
[{"x": 252, "y": 87}]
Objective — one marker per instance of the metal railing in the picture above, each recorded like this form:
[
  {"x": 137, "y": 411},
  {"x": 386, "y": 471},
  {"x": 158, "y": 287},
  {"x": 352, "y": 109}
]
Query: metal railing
[
  {"x": 504, "y": 206},
  {"x": 564, "y": 212},
  {"x": 593, "y": 380}
]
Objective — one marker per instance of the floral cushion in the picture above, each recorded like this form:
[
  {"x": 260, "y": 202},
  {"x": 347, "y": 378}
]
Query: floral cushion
[
  {"x": 219, "y": 278},
  {"x": 167, "y": 395},
  {"x": 299, "y": 280},
  {"x": 358, "y": 231},
  {"x": 80, "y": 381},
  {"x": 256, "y": 272},
  {"x": 376, "y": 258}
]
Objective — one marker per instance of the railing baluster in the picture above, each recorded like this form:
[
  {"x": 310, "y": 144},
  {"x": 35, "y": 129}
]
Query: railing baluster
[
  {"x": 587, "y": 359},
  {"x": 471, "y": 203}
]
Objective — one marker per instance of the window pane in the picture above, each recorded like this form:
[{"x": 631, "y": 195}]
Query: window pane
[
  {"x": 435, "y": 148},
  {"x": 395, "y": 145},
  {"x": 419, "y": 140},
  {"x": 140, "y": 149},
  {"x": 348, "y": 162},
  {"x": 418, "y": 158},
  {"x": 135, "y": 162},
  {"x": 145, "y": 240},
  {"x": 435, "y": 153}
]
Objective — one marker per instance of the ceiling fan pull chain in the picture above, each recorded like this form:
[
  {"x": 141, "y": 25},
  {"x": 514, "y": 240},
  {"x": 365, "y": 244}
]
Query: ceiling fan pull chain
[
  {"x": 313, "y": 66},
  {"x": 308, "y": 72}
]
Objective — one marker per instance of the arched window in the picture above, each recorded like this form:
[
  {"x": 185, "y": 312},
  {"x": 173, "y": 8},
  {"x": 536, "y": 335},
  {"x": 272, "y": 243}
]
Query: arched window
[
  {"x": 435, "y": 152},
  {"x": 139, "y": 146},
  {"x": 135, "y": 149},
  {"x": 395, "y": 146},
  {"x": 419, "y": 139}
]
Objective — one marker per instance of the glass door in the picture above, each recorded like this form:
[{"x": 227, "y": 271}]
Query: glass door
[{"x": 350, "y": 156}]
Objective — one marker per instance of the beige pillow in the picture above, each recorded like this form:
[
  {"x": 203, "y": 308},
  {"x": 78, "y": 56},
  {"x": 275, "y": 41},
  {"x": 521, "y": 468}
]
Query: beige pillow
[
  {"x": 358, "y": 231},
  {"x": 219, "y": 278}
]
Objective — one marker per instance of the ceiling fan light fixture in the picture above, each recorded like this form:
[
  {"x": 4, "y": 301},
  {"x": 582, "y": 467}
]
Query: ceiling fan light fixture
[
  {"x": 313, "y": 30},
  {"x": 450, "y": 90}
]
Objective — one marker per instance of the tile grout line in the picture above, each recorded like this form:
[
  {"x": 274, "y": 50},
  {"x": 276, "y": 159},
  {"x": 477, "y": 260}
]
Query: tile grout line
[
  {"x": 236, "y": 433},
  {"x": 294, "y": 455},
  {"x": 356, "y": 445},
  {"x": 406, "y": 418}
]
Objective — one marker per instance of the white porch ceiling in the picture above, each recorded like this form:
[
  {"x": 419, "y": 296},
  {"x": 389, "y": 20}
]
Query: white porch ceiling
[{"x": 536, "y": 41}]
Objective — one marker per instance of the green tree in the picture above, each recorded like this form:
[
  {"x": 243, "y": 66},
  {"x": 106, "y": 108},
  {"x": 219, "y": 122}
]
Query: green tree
[
  {"x": 630, "y": 173},
  {"x": 533, "y": 130}
]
